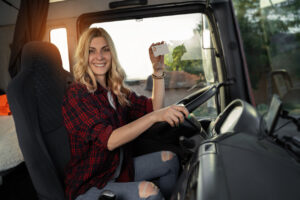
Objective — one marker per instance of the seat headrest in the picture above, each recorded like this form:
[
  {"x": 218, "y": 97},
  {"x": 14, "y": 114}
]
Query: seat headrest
[
  {"x": 38, "y": 52},
  {"x": 41, "y": 61}
]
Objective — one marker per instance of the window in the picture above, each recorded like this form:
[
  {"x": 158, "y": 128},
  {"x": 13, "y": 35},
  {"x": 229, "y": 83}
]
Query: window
[
  {"x": 189, "y": 64},
  {"x": 59, "y": 38},
  {"x": 271, "y": 34}
]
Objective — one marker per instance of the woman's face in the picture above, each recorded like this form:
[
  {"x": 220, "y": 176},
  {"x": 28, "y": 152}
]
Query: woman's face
[{"x": 99, "y": 57}]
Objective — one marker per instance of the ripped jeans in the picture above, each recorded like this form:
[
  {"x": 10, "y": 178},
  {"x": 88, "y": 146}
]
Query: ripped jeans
[{"x": 161, "y": 166}]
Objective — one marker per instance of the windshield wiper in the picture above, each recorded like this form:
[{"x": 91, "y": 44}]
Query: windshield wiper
[
  {"x": 296, "y": 121},
  {"x": 292, "y": 144},
  {"x": 289, "y": 142}
]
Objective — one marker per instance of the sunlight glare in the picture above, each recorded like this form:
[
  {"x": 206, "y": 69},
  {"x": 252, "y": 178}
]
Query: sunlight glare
[
  {"x": 58, "y": 37},
  {"x": 132, "y": 38}
]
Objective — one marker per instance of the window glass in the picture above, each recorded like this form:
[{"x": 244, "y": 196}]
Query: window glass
[
  {"x": 189, "y": 64},
  {"x": 270, "y": 31},
  {"x": 59, "y": 38}
]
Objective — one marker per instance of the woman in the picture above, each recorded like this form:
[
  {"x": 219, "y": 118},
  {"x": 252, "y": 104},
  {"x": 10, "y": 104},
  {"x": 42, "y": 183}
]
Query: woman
[{"x": 102, "y": 116}]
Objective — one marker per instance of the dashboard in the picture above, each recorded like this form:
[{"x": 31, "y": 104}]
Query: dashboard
[
  {"x": 239, "y": 116},
  {"x": 234, "y": 163}
]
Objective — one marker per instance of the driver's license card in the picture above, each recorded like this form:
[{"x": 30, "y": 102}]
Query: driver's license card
[{"x": 161, "y": 49}]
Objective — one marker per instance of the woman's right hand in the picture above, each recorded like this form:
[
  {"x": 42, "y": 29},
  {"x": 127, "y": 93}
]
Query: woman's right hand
[{"x": 173, "y": 115}]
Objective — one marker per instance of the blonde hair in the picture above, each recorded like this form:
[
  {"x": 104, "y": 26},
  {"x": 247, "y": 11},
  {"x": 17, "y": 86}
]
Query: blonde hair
[{"x": 83, "y": 73}]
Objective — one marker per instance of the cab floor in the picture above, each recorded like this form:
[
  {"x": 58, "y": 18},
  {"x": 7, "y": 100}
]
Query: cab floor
[{"x": 16, "y": 184}]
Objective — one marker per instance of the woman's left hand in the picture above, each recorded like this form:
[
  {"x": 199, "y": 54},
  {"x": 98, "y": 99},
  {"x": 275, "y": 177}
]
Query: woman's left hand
[{"x": 157, "y": 62}]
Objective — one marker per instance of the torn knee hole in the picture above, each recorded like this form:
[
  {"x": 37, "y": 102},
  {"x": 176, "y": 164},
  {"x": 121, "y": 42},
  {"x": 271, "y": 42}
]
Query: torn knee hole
[
  {"x": 166, "y": 155},
  {"x": 147, "y": 189}
]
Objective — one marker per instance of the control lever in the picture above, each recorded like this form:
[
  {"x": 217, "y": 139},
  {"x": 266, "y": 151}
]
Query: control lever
[
  {"x": 186, "y": 143},
  {"x": 187, "y": 146}
]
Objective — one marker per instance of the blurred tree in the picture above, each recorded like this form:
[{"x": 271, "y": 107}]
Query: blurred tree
[
  {"x": 175, "y": 62},
  {"x": 259, "y": 26},
  {"x": 177, "y": 53}
]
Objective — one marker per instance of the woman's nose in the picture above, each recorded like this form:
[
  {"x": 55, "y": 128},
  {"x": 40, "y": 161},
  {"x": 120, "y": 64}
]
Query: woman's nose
[{"x": 99, "y": 55}]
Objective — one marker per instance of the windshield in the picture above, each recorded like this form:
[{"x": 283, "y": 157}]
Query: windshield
[
  {"x": 190, "y": 64},
  {"x": 270, "y": 31}
]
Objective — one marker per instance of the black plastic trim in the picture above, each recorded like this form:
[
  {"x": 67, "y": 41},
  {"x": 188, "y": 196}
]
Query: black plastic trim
[{"x": 117, "y": 4}]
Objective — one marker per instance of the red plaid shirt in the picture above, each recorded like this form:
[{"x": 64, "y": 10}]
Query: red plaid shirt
[{"x": 89, "y": 120}]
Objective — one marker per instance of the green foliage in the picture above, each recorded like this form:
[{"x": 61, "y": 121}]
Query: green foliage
[
  {"x": 175, "y": 62},
  {"x": 177, "y": 53},
  {"x": 259, "y": 28}
]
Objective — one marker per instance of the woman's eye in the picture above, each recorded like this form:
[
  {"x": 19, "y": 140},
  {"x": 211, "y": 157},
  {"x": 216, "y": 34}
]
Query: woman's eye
[
  {"x": 91, "y": 51},
  {"x": 106, "y": 49}
]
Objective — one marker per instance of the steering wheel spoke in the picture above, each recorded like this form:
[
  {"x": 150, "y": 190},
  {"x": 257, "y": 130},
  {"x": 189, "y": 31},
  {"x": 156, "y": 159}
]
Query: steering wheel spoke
[{"x": 161, "y": 136}]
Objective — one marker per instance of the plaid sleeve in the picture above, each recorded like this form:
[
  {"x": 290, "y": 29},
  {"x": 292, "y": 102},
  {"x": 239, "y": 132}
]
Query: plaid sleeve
[
  {"x": 84, "y": 119},
  {"x": 140, "y": 105}
]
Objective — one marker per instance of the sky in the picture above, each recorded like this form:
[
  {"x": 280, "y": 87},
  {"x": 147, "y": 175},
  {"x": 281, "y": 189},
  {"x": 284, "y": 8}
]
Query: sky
[{"x": 132, "y": 39}]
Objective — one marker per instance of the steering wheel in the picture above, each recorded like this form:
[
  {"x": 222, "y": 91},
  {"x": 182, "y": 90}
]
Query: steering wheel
[
  {"x": 162, "y": 134},
  {"x": 195, "y": 100},
  {"x": 191, "y": 102},
  {"x": 199, "y": 97}
]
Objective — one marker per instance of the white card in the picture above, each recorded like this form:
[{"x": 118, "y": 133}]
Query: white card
[{"x": 161, "y": 49}]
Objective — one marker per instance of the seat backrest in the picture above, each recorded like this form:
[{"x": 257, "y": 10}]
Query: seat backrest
[{"x": 35, "y": 97}]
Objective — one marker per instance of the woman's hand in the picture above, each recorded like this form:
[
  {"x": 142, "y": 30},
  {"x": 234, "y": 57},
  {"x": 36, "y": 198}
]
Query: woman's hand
[
  {"x": 173, "y": 115},
  {"x": 157, "y": 62}
]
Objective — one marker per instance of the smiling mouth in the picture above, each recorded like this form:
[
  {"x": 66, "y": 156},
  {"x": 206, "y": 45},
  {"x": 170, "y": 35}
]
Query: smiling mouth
[{"x": 99, "y": 65}]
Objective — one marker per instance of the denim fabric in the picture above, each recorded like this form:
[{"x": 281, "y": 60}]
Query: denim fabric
[
  {"x": 151, "y": 167},
  {"x": 148, "y": 167}
]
